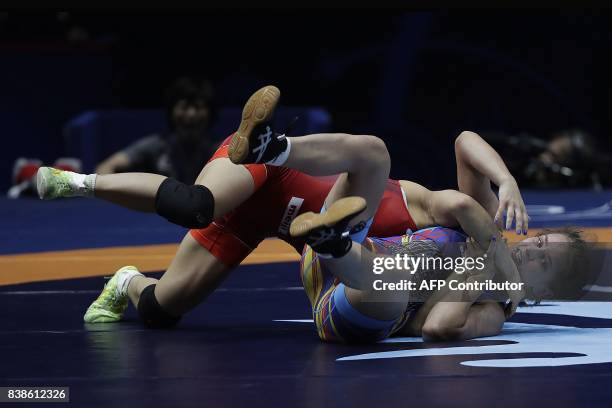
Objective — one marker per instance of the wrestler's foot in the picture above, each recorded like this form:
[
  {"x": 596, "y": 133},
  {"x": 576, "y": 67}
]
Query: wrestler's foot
[
  {"x": 255, "y": 140},
  {"x": 326, "y": 232},
  {"x": 110, "y": 306},
  {"x": 53, "y": 183}
]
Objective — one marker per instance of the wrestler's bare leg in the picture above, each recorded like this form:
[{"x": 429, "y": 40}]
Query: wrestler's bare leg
[
  {"x": 193, "y": 274},
  {"x": 229, "y": 183},
  {"x": 355, "y": 270},
  {"x": 365, "y": 164},
  {"x": 363, "y": 161},
  {"x": 135, "y": 191}
]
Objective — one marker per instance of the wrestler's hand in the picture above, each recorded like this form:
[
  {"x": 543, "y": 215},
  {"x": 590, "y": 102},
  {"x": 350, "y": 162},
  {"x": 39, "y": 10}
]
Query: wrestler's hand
[
  {"x": 511, "y": 202},
  {"x": 476, "y": 274},
  {"x": 473, "y": 250},
  {"x": 506, "y": 266}
]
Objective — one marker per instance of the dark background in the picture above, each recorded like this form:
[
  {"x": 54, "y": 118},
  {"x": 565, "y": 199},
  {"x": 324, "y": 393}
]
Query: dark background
[{"x": 415, "y": 79}]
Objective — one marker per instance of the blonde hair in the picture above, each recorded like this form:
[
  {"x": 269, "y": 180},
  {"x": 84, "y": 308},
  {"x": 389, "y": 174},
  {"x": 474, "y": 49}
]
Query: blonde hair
[{"x": 569, "y": 281}]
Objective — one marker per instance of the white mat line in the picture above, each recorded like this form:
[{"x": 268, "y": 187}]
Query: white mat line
[{"x": 597, "y": 288}]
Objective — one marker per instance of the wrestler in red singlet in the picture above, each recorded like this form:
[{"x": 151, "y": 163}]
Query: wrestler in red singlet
[{"x": 280, "y": 195}]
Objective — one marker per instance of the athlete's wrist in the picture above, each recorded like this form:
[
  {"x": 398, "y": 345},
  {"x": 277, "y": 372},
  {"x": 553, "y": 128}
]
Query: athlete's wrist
[{"x": 506, "y": 179}]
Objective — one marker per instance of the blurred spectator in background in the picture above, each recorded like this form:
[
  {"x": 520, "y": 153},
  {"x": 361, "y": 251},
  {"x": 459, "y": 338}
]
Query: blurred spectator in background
[
  {"x": 182, "y": 151},
  {"x": 569, "y": 159}
]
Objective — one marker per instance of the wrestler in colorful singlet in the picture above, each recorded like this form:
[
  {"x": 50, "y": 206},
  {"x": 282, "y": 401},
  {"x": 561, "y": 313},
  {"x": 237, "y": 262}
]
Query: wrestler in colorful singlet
[{"x": 334, "y": 317}]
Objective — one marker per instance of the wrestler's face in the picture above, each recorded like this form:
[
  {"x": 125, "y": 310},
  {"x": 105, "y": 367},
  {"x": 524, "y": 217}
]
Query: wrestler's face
[
  {"x": 539, "y": 258},
  {"x": 190, "y": 118}
]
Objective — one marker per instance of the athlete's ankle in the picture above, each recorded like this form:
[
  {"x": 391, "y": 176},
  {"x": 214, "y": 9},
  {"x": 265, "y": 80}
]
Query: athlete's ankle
[
  {"x": 127, "y": 283},
  {"x": 89, "y": 185},
  {"x": 81, "y": 185},
  {"x": 284, "y": 149},
  {"x": 333, "y": 248}
]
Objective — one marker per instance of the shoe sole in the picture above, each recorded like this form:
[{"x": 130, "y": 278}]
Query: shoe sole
[
  {"x": 42, "y": 176},
  {"x": 259, "y": 108},
  {"x": 338, "y": 211},
  {"x": 100, "y": 317}
]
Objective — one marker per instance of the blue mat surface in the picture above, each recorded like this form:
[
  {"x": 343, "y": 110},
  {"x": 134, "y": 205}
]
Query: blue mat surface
[
  {"x": 31, "y": 225},
  {"x": 252, "y": 343}
]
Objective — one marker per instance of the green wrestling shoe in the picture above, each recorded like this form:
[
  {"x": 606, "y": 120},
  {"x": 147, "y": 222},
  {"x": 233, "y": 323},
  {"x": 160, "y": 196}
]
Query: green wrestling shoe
[
  {"x": 53, "y": 183},
  {"x": 110, "y": 306}
]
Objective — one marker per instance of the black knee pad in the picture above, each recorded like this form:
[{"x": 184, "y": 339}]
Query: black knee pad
[
  {"x": 152, "y": 313},
  {"x": 188, "y": 206}
]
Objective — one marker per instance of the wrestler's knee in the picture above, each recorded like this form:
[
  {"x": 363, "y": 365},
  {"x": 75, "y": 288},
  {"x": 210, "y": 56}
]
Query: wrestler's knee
[
  {"x": 377, "y": 152},
  {"x": 152, "y": 313},
  {"x": 191, "y": 206},
  {"x": 369, "y": 152}
]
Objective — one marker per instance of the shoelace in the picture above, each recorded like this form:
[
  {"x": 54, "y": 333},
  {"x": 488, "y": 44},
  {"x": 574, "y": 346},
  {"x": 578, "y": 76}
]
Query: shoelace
[
  {"x": 265, "y": 139},
  {"x": 113, "y": 298}
]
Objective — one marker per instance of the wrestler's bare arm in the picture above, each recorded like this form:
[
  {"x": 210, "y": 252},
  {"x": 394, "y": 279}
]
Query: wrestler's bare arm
[
  {"x": 445, "y": 320},
  {"x": 478, "y": 164},
  {"x": 457, "y": 314},
  {"x": 447, "y": 208},
  {"x": 481, "y": 320},
  {"x": 450, "y": 207}
]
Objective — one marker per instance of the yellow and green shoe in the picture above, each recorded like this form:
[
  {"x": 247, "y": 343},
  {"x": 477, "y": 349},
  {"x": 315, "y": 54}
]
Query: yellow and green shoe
[
  {"x": 54, "y": 183},
  {"x": 110, "y": 306}
]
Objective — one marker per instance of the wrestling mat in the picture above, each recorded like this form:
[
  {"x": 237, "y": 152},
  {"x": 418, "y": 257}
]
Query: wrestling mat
[{"x": 252, "y": 343}]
